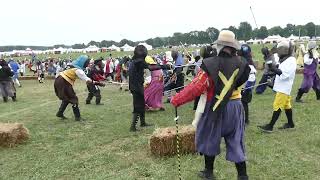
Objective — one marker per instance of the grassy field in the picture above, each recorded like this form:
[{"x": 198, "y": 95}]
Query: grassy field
[{"x": 103, "y": 148}]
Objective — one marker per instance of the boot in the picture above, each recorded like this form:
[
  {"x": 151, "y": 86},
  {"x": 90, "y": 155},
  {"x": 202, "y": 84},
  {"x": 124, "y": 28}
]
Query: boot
[
  {"x": 143, "y": 121},
  {"x": 269, "y": 127},
  {"x": 76, "y": 112},
  {"x": 61, "y": 110},
  {"x": 14, "y": 97},
  {"x": 134, "y": 122},
  {"x": 88, "y": 100},
  {"x": 318, "y": 94},
  {"x": 299, "y": 95},
  {"x": 243, "y": 178},
  {"x": 290, "y": 123},
  {"x": 207, "y": 173},
  {"x": 98, "y": 100},
  {"x": 5, "y": 99},
  {"x": 242, "y": 170}
]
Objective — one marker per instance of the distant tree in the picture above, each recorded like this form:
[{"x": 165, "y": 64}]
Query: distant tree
[
  {"x": 126, "y": 41},
  {"x": 260, "y": 33},
  {"x": 310, "y": 29},
  {"x": 79, "y": 46},
  {"x": 244, "y": 31},
  {"x": 276, "y": 30},
  {"x": 213, "y": 33}
]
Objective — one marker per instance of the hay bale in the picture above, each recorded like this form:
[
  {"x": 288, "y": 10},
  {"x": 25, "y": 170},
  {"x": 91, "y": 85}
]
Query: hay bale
[
  {"x": 163, "y": 141},
  {"x": 12, "y": 134}
]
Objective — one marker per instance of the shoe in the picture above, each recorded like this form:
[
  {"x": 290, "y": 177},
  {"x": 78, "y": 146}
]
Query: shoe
[
  {"x": 99, "y": 104},
  {"x": 299, "y": 101},
  {"x": 79, "y": 119},
  {"x": 243, "y": 178},
  {"x": 61, "y": 116},
  {"x": 162, "y": 109},
  {"x": 88, "y": 102},
  {"x": 206, "y": 175},
  {"x": 286, "y": 126},
  {"x": 266, "y": 128},
  {"x": 134, "y": 121}
]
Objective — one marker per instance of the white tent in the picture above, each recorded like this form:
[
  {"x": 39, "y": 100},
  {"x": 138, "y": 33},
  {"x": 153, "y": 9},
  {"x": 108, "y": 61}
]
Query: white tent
[
  {"x": 293, "y": 37},
  {"x": 92, "y": 49},
  {"x": 126, "y": 47},
  {"x": 273, "y": 39},
  {"x": 149, "y": 47},
  {"x": 114, "y": 48},
  {"x": 59, "y": 50}
]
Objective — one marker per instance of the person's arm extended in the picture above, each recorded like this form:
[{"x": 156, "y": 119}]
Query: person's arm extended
[{"x": 198, "y": 86}]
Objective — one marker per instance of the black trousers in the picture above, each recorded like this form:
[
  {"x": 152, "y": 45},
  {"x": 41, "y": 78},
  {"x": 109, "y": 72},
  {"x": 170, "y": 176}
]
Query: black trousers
[
  {"x": 138, "y": 102},
  {"x": 94, "y": 91}
]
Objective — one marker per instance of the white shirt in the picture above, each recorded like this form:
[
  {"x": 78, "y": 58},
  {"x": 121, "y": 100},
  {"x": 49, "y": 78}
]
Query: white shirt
[
  {"x": 80, "y": 73},
  {"x": 307, "y": 60},
  {"x": 252, "y": 75},
  {"x": 276, "y": 58},
  {"x": 116, "y": 62},
  {"x": 284, "y": 82},
  {"x": 23, "y": 68}
]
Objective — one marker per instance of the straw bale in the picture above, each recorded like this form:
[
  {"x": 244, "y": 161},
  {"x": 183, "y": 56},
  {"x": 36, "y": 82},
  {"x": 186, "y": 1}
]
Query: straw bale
[
  {"x": 12, "y": 134},
  {"x": 163, "y": 141}
]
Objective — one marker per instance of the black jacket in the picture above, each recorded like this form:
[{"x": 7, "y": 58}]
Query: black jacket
[
  {"x": 136, "y": 73},
  {"x": 5, "y": 73}
]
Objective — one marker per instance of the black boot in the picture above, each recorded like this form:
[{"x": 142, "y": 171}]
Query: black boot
[
  {"x": 62, "y": 108},
  {"x": 299, "y": 95},
  {"x": 317, "y": 93},
  {"x": 269, "y": 127},
  {"x": 14, "y": 97},
  {"x": 290, "y": 123},
  {"x": 5, "y": 99},
  {"x": 88, "y": 100},
  {"x": 242, "y": 170},
  {"x": 76, "y": 112},
  {"x": 134, "y": 122},
  {"x": 207, "y": 173},
  {"x": 98, "y": 100},
  {"x": 143, "y": 121}
]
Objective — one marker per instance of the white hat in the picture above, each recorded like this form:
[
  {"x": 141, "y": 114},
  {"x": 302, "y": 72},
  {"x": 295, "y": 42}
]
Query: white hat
[{"x": 227, "y": 38}]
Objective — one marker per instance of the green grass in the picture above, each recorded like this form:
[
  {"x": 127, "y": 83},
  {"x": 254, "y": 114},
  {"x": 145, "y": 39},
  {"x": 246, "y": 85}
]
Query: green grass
[{"x": 103, "y": 148}]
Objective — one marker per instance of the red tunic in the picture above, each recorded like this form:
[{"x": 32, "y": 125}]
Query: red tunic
[{"x": 201, "y": 83}]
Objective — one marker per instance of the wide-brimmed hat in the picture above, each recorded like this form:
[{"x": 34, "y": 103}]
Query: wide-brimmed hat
[
  {"x": 312, "y": 45},
  {"x": 227, "y": 38}
]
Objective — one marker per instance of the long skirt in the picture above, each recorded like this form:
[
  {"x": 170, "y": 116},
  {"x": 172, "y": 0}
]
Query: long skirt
[
  {"x": 230, "y": 126},
  {"x": 7, "y": 88},
  {"x": 153, "y": 93},
  {"x": 310, "y": 81},
  {"x": 64, "y": 91}
]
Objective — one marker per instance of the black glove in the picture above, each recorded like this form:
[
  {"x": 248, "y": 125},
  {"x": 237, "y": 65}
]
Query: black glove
[{"x": 276, "y": 70}]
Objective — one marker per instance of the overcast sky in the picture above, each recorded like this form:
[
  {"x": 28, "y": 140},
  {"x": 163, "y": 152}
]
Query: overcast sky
[{"x": 49, "y": 22}]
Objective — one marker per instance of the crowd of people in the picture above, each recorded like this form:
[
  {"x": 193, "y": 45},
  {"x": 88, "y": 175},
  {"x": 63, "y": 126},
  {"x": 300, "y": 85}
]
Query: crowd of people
[{"x": 223, "y": 79}]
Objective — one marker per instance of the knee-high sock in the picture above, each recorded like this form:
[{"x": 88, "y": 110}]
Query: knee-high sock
[
  {"x": 208, "y": 162},
  {"x": 289, "y": 116},
  {"x": 241, "y": 168},
  {"x": 275, "y": 117}
]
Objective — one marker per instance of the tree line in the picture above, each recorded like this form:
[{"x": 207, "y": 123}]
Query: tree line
[{"x": 243, "y": 32}]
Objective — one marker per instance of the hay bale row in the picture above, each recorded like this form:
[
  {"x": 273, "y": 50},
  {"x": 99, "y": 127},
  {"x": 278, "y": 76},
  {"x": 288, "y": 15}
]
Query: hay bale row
[
  {"x": 12, "y": 134},
  {"x": 163, "y": 141}
]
